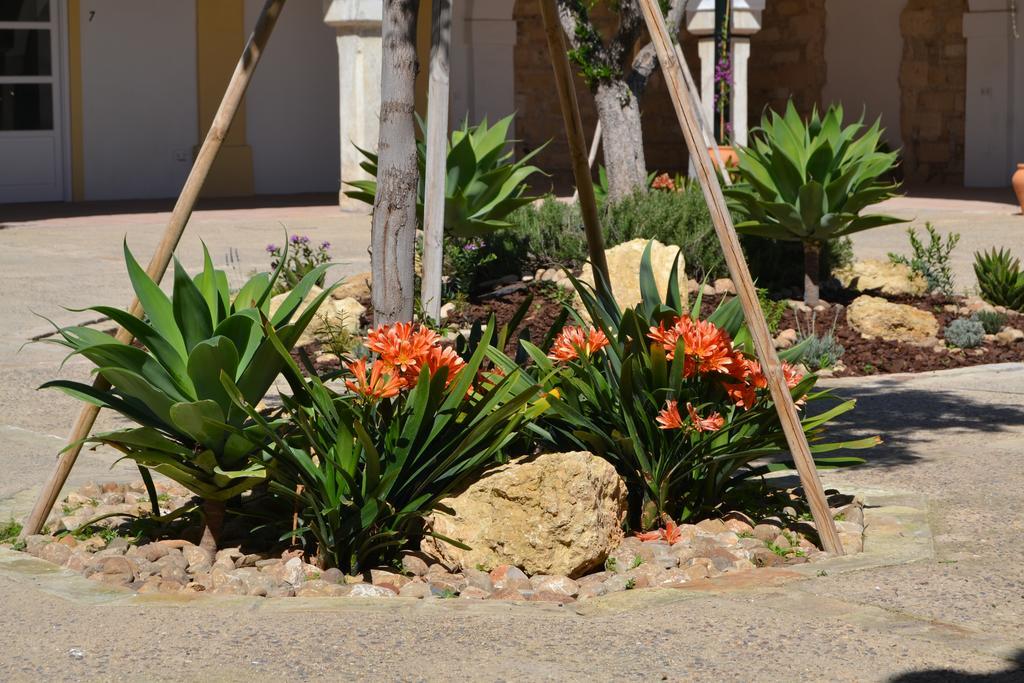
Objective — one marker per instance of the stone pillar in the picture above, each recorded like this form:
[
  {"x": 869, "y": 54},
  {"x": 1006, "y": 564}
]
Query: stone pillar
[
  {"x": 746, "y": 21},
  {"x": 483, "y": 60},
  {"x": 358, "y": 25}
]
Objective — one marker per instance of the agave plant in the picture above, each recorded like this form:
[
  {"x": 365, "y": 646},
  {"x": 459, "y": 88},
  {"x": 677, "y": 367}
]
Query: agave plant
[
  {"x": 189, "y": 428},
  {"x": 483, "y": 184},
  {"x": 808, "y": 181},
  {"x": 1000, "y": 279},
  {"x": 678, "y": 405}
]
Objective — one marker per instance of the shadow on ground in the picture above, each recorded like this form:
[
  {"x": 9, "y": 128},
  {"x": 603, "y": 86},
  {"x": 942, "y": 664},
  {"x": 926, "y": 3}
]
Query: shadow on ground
[
  {"x": 907, "y": 417},
  {"x": 1015, "y": 672}
]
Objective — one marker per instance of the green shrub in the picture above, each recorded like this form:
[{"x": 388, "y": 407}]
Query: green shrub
[
  {"x": 992, "y": 321},
  {"x": 818, "y": 352},
  {"x": 773, "y": 310},
  {"x": 547, "y": 235},
  {"x": 364, "y": 467},
  {"x": 483, "y": 184},
  {"x": 625, "y": 393},
  {"x": 964, "y": 333},
  {"x": 808, "y": 181},
  {"x": 679, "y": 218},
  {"x": 1000, "y": 279},
  {"x": 189, "y": 430},
  {"x": 296, "y": 260},
  {"x": 931, "y": 261}
]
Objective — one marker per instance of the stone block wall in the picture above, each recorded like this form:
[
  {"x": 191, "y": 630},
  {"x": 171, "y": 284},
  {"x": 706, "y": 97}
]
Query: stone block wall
[
  {"x": 933, "y": 85},
  {"x": 787, "y": 57}
]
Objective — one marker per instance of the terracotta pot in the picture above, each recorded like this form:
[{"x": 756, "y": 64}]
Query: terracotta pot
[
  {"x": 1018, "y": 185},
  {"x": 729, "y": 156}
]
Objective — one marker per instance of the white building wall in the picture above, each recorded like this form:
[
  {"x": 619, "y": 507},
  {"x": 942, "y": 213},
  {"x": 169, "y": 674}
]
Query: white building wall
[
  {"x": 863, "y": 51},
  {"x": 292, "y": 103},
  {"x": 139, "y": 116}
]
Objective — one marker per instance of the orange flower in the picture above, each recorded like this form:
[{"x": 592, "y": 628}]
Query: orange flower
[
  {"x": 377, "y": 387},
  {"x": 708, "y": 349},
  {"x": 402, "y": 346},
  {"x": 711, "y": 423},
  {"x": 663, "y": 182},
  {"x": 669, "y": 417},
  {"x": 572, "y": 342},
  {"x": 670, "y": 534},
  {"x": 655, "y": 535},
  {"x": 793, "y": 378},
  {"x": 445, "y": 357}
]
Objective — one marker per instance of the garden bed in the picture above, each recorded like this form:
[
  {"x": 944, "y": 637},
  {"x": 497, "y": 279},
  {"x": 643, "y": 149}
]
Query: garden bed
[
  {"x": 145, "y": 557},
  {"x": 862, "y": 355}
]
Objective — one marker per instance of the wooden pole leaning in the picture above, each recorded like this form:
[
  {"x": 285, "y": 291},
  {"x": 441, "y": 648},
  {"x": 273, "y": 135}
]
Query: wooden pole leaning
[
  {"x": 436, "y": 164},
  {"x": 705, "y": 125},
  {"x": 172, "y": 233},
  {"x": 574, "y": 133},
  {"x": 592, "y": 156},
  {"x": 734, "y": 258}
]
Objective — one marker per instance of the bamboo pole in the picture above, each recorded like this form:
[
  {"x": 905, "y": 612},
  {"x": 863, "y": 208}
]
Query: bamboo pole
[
  {"x": 705, "y": 125},
  {"x": 172, "y": 233},
  {"x": 437, "y": 152},
  {"x": 734, "y": 258},
  {"x": 577, "y": 143},
  {"x": 592, "y": 156}
]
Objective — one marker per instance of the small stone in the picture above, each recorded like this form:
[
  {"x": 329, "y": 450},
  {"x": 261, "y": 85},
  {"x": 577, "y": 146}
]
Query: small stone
[
  {"x": 781, "y": 541},
  {"x": 474, "y": 593},
  {"x": 333, "y": 575},
  {"x": 852, "y": 543},
  {"x": 116, "y": 565},
  {"x": 724, "y": 560},
  {"x": 509, "y": 593},
  {"x": 592, "y": 590},
  {"x": 447, "y": 309},
  {"x": 699, "y": 564},
  {"x": 726, "y": 538},
  {"x": 415, "y": 589},
  {"x": 56, "y": 553},
  {"x": 318, "y": 588},
  {"x": 194, "y": 555},
  {"x": 34, "y": 543},
  {"x": 1009, "y": 336},
  {"x": 389, "y": 579},
  {"x": 724, "y": 285},
  {"x": 786, "y": 338},
  {"x": 560, "y": 585},
  {"x": 711, "y": 526},
  {"x": 479, "y": 579},
  {"x": 294, "y": 573},
  {"x": 739, "y": 527},
  {"x": 766, "y": 532},
  {"x": 619, "y": 582},
  {"x": 548, "y": 596},
  {"x": 366, "y": 590},
  {"x": 174, "y": 574},
  {"x": 413, "y": 564},
  {"x": 447, "y": 583},
  {"x": 507, "y": 576},
  {"x": 78, "y": 561},
  {"x": 673, "y": 578}
]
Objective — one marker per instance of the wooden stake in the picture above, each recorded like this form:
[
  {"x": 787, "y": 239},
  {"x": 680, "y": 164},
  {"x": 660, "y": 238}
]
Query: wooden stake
[
  {"x": 734, "y": 258},
  {"x": 705, "y": 125},
  {"x": 592, "y": 156},
  {"x": 574, "y": 133},
  {"x": 437, "y": 159},
  {"x": 172, "y": 233}
]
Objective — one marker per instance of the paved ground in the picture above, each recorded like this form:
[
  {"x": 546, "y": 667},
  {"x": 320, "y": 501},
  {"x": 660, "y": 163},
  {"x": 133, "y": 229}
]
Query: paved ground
[{"x": 955, "y": 437}]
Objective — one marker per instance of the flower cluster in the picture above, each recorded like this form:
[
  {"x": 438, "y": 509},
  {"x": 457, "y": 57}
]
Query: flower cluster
[
  {"x": 663, "y": 182},
  {"x": 669, "y": 418},
  {"x": 709, "y": 351},
  {"x": 403, "y": 350},
  {"x": 574, "y": 342}
]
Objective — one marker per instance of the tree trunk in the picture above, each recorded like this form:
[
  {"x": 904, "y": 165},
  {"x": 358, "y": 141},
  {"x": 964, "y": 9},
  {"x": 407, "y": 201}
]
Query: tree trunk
[
  {"x": 619, "y": 112},
  {"x": 812, "y": 272},
  {"x": 393, "y": 236},
  {"x": 213, "y": 520}
]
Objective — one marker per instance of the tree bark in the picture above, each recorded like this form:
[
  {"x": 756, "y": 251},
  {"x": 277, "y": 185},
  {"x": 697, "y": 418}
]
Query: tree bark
[
  {"x": 617, "y": 96},
  {"x": 393, "y": 235},
  {"x": 213, "y": 524},
  {"x": 618, "y": 109},
  {"x": 812, "y": 272}
]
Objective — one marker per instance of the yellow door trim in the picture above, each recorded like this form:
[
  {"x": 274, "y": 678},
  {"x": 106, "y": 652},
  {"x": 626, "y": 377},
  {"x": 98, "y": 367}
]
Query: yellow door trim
[
  {"x": 75, "y": 96},
  {"x": 220, "y": 37}
]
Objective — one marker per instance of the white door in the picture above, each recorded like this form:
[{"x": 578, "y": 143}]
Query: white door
[{"x": 31, "y": 101}]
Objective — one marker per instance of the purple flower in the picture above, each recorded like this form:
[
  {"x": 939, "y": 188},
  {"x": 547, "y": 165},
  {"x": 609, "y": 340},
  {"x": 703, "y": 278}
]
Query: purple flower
[
  {"x": 271, "y": 248},
  {"x": 471, "y": 246},
  {"x": 325, "y": 245}
]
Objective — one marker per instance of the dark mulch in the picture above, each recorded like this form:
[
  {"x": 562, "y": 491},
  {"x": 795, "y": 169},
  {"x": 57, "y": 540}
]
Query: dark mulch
[{"x": 861, "y": 357}]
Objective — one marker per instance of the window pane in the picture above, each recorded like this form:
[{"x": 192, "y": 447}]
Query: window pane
[
  {"x": 24, "y": 52},
  {"x": 26, "y": 106},
  {"x": 24, "y": 10}
]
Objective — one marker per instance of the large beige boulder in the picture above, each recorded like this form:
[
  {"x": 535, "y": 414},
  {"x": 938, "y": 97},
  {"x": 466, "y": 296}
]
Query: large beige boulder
[
  {"x": 876, "y": 317},
  {"x": 624, "y": 270},
  {"x": 559, "y": 513},
  {"x": 333, "y": 313},
  {"x": 892, "y": 279},
  {"x": 354, "y": 287}
]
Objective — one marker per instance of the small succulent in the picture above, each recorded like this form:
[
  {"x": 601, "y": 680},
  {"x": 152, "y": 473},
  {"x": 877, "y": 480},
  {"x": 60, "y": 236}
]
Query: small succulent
[
  {"x": 964, "y": 333},
  {"x": 992, "y": 321},
  {"x": 999, "y": 278}
]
